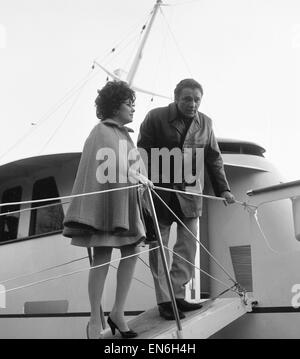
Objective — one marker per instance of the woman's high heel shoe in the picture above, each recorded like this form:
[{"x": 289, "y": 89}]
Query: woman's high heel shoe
[{"x": 126, "y": 335}]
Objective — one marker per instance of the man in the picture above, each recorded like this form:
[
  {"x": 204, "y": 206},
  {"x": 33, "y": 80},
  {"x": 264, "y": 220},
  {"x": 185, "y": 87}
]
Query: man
[{"x": 180, "y": 126}]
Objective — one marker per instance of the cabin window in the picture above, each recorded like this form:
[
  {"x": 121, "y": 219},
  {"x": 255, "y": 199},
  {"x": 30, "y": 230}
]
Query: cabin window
[
  {"x": 241, "y": 148},
  {"x": 9, "y": 223},
  {"x": 47, "y": 219}
]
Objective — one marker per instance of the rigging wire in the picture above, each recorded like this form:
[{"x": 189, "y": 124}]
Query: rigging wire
[
  {"x": 61, "y": 102},
  {"x": 176, "y": 43},
  {"x": 159, "y": 61},
  {"x": 135, "y": 47},
  {"x": 184, "y": 2},
  {"x": 129, "y": 40},
  {"x": 137, "y": 24},
  {"x": 169, "y": 61},
  {"x": 69, "y": 94},
  {"x": 64, "y": 118},
  {"x": 120, "y": 51},
  {"x": 50, "y": 112}
]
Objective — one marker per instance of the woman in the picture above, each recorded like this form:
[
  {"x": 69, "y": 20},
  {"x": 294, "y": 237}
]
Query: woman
[{"x": 112, "y": 219}]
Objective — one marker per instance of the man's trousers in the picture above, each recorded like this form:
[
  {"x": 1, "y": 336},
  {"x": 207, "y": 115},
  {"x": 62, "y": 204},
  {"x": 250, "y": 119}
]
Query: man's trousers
[{"x": 181, "y": 272}]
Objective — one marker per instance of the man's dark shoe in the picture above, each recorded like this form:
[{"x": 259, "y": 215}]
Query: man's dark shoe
[
  {"x": 185, "y": 306},
  {"x": 166, "y": 311}
]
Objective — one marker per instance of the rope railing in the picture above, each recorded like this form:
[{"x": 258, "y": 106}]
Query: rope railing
[
  {"x": 195, "y": 238},
  {"x": 33, "y": 208},
  {"x": 138, "y": 279},
  {"x": 42, "y": 270},
  {"x": 63, "y": 265},
  {"x": 254, "y": 213},
  {"x": 67, "y": 197},
  {"x": 201, "y": 270},
  {"x": 118, "y": 189},
  {"x": 232, "y": 288},
  {"x": 75, "y": 272},
  {"x": 221, "y": 199},
  {"x": 244, "y": 204}
]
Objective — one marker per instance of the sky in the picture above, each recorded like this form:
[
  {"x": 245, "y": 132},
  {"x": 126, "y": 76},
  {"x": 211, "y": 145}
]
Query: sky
[{"x": 245, "y": 53}]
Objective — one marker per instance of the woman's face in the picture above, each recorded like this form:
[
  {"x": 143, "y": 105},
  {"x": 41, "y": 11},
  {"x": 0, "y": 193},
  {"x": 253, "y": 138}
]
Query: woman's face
[{"x": 125, "y": 112}]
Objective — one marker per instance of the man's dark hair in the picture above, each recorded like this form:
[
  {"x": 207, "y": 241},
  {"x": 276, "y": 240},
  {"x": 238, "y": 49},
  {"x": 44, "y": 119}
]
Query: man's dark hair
[
  {"x": 110, "y": 98},
  {"x": 190, "y": 83}
]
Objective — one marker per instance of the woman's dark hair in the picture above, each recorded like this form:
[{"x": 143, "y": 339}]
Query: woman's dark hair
[
  {"x": 190, "y": 83},
  {"x": 110, "y": 98}
]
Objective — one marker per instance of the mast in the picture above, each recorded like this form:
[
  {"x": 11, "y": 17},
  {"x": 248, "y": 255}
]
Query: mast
[{"x": 139, "y": 54}]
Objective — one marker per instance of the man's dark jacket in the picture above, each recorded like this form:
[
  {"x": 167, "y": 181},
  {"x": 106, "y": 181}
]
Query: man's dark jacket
[{"x": 163, "y": 127}]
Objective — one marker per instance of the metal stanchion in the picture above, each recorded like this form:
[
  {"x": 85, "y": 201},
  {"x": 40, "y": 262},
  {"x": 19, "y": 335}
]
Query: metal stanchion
[
  {"x": 165, "y": 265},
  {"x": 101, "y": 310}
]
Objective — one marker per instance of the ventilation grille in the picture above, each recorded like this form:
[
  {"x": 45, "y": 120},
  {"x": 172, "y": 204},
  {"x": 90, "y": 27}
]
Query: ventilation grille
[{"x": 242, "y": 266}]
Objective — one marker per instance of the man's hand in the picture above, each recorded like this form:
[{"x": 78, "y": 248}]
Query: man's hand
[{"x": 228, "y": 196}]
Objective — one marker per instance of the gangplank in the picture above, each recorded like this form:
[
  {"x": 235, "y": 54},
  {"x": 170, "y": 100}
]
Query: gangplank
[{"x": 198, "y": 324}]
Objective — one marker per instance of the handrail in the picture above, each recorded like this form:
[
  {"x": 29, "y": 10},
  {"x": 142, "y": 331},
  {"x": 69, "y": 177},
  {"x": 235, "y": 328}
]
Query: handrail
[
  {"x": 272, "y": 188},
  {"x": 274, "y": 193}
]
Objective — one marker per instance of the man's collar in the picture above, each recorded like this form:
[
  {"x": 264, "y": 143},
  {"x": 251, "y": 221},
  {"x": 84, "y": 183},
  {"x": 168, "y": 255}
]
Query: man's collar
[{"x": 111, "y": 122}]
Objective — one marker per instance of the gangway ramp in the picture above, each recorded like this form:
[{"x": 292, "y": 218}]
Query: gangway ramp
[{"x": 198, "y": 324}]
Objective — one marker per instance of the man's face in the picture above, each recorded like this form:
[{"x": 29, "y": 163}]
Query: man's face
[{"x": 188, "y": 101}]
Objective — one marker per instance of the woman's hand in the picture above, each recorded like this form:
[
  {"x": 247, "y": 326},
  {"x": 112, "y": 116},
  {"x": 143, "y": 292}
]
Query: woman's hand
[
  {"x": 145, "y": 181},
  {"x": 138, "y": 177}
]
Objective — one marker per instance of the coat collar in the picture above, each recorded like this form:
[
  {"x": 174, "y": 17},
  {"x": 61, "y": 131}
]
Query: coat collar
[
  {"x": 111, "y": 122},
  {"x": 175, "y": 121}
]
